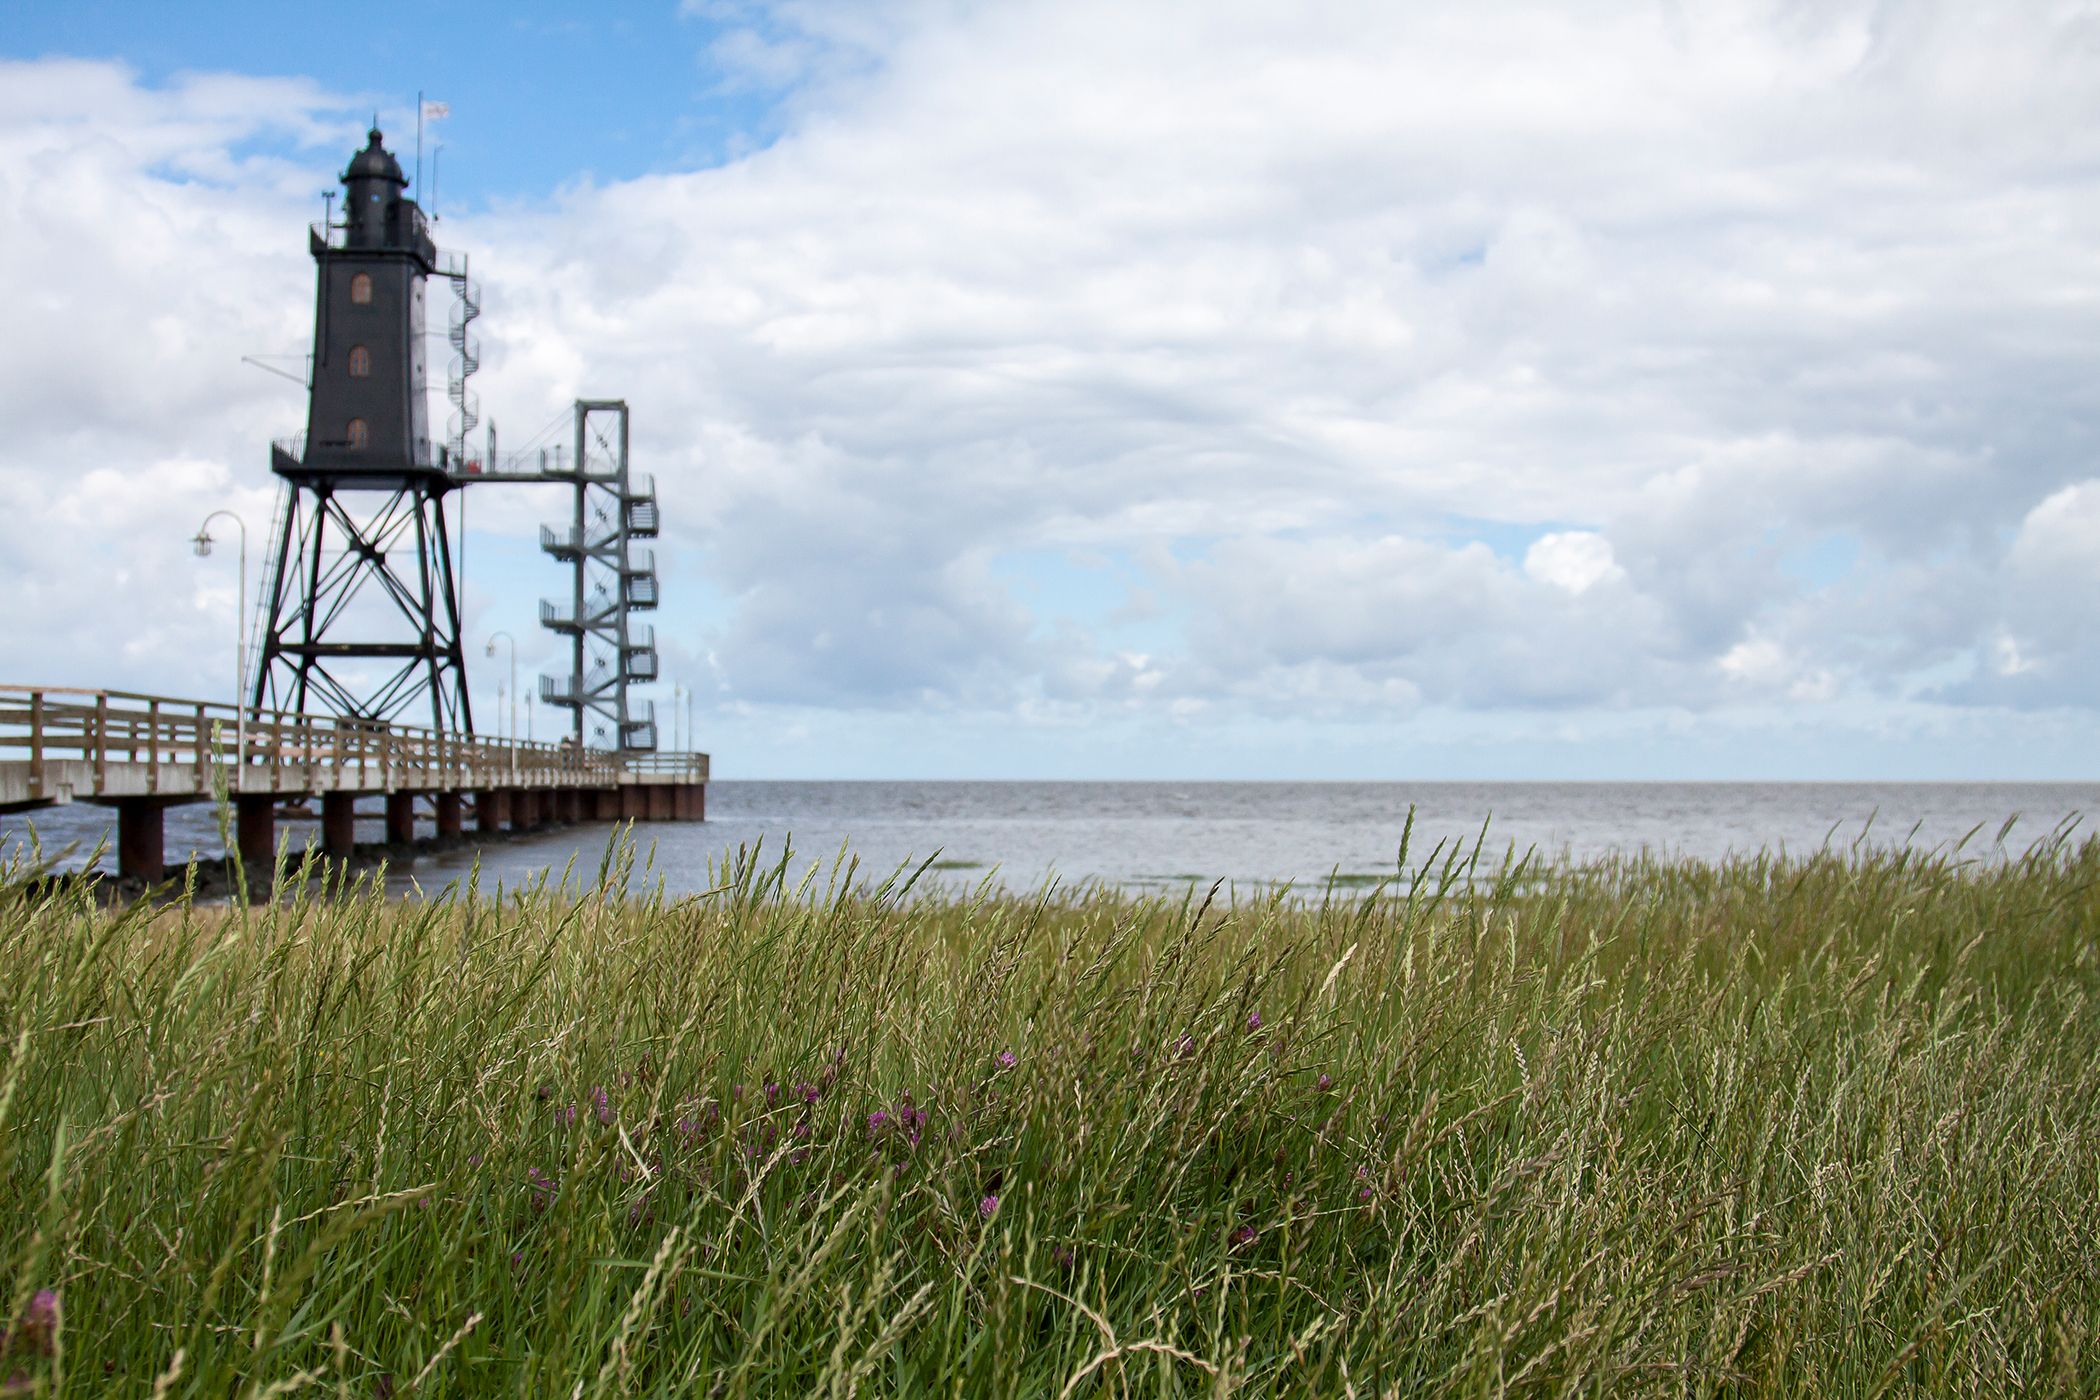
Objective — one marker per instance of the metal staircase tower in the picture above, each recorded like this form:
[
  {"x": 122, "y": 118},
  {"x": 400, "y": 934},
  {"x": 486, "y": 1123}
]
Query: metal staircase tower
[
  {"x": 612, "y": 581},
  {"x": 466, "y": 358}
]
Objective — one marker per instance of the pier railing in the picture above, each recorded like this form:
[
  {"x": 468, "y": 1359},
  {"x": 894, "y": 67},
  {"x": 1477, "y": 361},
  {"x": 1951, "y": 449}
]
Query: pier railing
[
  {"x": 58, "y": 743},
  {"x": 679, "y": 767}
]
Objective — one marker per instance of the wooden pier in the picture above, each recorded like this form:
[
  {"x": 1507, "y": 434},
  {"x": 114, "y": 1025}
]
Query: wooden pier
[{"x": 142, "y": 754}]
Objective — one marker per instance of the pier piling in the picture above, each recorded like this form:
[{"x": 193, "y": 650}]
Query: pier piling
[
  {"x": 339, "y": 824},
  {"x": 255, "y": 833},
  {"x": 140, "y": 824},
  {"x": 400, "y": 818}
]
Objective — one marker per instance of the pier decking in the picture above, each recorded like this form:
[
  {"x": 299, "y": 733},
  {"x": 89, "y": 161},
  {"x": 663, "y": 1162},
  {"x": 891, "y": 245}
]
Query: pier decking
[{"x": 144, "y": 753}]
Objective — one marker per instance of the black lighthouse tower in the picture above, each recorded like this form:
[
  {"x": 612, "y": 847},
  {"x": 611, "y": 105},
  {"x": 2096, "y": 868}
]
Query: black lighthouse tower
[{"x": 362, "y": 613}]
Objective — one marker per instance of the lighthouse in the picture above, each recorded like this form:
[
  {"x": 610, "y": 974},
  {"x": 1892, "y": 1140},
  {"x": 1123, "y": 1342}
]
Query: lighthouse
[
  {"x": 362, "y": 616},
  {"x": 368, "y": 413}
]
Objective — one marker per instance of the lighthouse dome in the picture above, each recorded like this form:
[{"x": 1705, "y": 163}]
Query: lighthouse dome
[{"x": 375, "y": 162}]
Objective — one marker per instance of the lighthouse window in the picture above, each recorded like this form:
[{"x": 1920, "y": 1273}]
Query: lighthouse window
[
  {"x": 361, "y": 289},
  {"x": 357, "y": 432},
  {"x": 360, "y": 362}
]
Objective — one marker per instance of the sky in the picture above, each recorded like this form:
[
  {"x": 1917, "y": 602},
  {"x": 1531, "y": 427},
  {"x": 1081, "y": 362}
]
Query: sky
[{"x": 1140, "y": 388}]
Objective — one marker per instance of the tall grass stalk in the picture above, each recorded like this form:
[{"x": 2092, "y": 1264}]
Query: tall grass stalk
[{"x": 1787, "y": 1126}]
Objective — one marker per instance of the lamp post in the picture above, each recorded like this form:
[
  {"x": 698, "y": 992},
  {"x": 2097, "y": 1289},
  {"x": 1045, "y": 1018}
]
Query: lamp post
[
  {"x": 513, "y": 697},
  {"x": 677, "y": 691},
  {"x": 203, "y": 544}
]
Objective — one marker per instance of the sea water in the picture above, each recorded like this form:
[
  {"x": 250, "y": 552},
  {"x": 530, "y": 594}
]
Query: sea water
[{"x": 1162, "y": 836}]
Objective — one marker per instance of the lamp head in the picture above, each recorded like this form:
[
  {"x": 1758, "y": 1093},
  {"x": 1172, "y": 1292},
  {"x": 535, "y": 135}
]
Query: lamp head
[
  {"x": 202, "y": 543},
  {"x": 491, "y": 650}
]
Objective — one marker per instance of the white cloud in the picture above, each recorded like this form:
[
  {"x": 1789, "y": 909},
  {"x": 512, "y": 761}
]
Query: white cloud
[
  {"x": 2058, "y": 544},
  {"x": 1497, "y": 359},
  {"x": 1575, "y": 560},
  {"x": 1756, "y": 661},
  {"x": 2043, "y": 643},
  {"x": 2007, "y": 658}
]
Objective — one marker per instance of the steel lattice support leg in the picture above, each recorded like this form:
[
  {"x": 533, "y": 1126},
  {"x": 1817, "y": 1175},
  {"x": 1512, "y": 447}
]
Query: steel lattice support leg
[{"x": 365, "y": 585}]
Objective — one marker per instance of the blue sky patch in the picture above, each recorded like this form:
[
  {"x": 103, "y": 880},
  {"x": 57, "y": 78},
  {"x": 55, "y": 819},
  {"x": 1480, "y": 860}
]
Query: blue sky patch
[{"x": 542, "y": 95}]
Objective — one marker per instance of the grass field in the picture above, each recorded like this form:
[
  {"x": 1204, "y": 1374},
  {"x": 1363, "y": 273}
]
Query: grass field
[{"x": 1815, "y": 1127}]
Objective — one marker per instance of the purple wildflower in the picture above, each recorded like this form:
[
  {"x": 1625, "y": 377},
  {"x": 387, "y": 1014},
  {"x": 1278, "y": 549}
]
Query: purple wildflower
[
  {"x": 877, "y": 1120},
  {"x": 1326, "y": 1083},
  {"x": 1243, "y": 1236},
  {"x": 808, "y": 1092},
  {"x": 38, "y": 1329},
  {"x": 772, "y": 1093},
  {"x": 1006, "y": 1059},
  {"x": 1064, "y": 1256},
  {"x": 473, "y": 1159},
  {"x": 1187, "y": 1046},
  {"x": 542, "y": 1187},
  {"x": 566, "y": 1116},
  {"x": 988, "y": 1207},
  {"x": 1254, "y": 1020},
  {"x": 600, "y": 1105},
  {"x": 688, "y": 1128}
]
